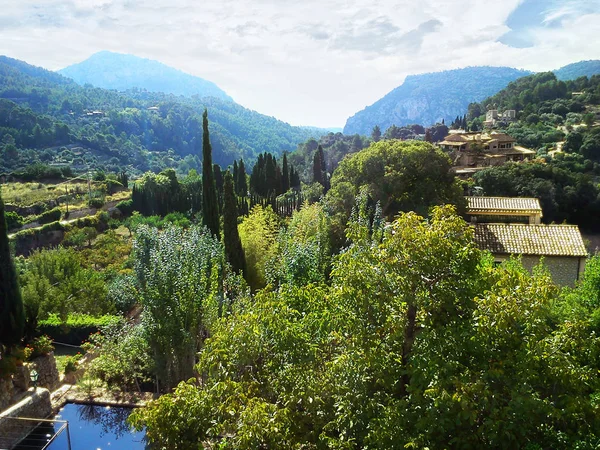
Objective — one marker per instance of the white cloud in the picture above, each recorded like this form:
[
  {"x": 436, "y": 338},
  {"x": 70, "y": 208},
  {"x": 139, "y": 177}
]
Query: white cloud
[{"x": 312, "y": 62}]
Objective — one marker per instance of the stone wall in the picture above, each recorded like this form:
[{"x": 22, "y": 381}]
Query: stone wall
[
  {"x": 13, "y": 388},
  {"x": 6, "y": 392},
  {"x": 564, "y": 270},
  {"x": 35, "y": 405},
  {"x": 47, "y": 371}
]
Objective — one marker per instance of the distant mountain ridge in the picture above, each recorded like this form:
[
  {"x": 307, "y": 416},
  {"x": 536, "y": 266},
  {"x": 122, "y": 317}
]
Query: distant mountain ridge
[
  {"x": 428, "y": 98},
  {"x": 122, "y": 72}
]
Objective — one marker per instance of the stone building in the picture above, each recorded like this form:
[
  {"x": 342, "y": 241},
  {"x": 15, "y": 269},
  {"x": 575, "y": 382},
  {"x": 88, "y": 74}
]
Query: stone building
[
  {"x": 560, "y": 246},
  {"x": 483, "y": 149},
  {"x": 493, "y": 117},
  {"x": 503, "y": 210}
]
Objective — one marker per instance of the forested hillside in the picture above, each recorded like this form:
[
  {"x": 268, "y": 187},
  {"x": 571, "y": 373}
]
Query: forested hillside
[
  {"x": 45, "y": 117},
  {"x": 428, "y": 98},
  {"x": 578, "y": 69},
  {"x": 118, "y": 71}
]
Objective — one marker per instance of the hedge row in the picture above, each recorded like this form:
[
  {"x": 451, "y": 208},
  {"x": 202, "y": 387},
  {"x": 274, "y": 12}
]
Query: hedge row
[{"x": 76, "y": 329}]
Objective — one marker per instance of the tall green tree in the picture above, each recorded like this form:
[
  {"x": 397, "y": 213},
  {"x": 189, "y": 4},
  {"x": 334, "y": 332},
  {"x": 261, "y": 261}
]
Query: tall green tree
[
  {"x": 285, "y": 175},
  {"x": 12, "y": 317},
  {"x": 242, "y": 181},
  {"x": 320, "y": 167},
  {"x": 233, "y": 245},
  {"x": 210, "y": 206},
  {"x": 235, "y": 177},
  {"x": 376, "y": 133}
]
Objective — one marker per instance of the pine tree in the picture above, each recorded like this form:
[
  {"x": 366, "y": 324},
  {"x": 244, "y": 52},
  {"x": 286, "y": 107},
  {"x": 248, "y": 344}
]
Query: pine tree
[
  {"x": 210, "y": 207},
  {"x": 233, "y": 245},
  {"x": 242, "y": 182},
  {"x": 376, "y": 133},
  {"x": 285, "y": 176},
  {"x": 12, "y": 316}
]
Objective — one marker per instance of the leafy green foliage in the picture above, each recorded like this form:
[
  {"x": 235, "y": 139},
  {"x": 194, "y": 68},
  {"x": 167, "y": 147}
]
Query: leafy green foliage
[
  {"x": 180, "y": 277},
  {"x": 258, "y": 233},
  {"x": 54, "y": 282},
  {"x": 419, "y": 342},
  {"x": 403, "y": 176},
  {"x": 303, "y": 249},
  {"x": 123, "y": 356}
]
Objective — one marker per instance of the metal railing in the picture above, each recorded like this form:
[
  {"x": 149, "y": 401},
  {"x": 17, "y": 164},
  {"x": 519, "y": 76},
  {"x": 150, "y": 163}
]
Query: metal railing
[{"x": 29, "y": 433}]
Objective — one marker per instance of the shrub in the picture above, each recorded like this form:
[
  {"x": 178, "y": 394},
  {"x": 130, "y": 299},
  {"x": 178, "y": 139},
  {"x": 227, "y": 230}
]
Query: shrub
[
  {"x": 13, "y": 220},
  {"x": 49, "y": 216},
  {"x": 42, "y": 346},
  {"x": 126, "y": 207},
  {"x": 96, "y": 202},
  {"x": 72, "y": 363}
]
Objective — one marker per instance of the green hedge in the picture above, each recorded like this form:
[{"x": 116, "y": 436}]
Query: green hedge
[
  {"x": 126, "y": 207},
  {"x": 49, "y": 216},
  {"x": 76, "y": 329}
]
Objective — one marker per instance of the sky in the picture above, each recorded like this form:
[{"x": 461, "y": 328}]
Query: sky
[{"x": 308, "y": 62}]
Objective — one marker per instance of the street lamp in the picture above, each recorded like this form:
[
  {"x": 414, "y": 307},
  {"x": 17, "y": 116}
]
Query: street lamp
[{"x": 33, "y": 375}]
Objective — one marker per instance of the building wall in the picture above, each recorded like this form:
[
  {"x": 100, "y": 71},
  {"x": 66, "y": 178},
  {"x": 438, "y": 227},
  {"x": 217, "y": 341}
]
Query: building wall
[{"x": 565, "y": 270}]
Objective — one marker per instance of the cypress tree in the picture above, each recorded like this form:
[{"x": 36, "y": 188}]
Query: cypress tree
[
  {"x": 12, "y": 315},
  {"x": 285, "y": 176},
  {"x": 270, "y": 175},
  {"x": 210, "y": 207},
  {"x": 235, "y": 178},
  {"x": 317, "y": 173},
  {"x": 233, "y": 244},
  {"x": 242, "y": 181}
]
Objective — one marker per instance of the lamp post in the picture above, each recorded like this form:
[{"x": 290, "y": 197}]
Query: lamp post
[{"x": 33, "y": 376}]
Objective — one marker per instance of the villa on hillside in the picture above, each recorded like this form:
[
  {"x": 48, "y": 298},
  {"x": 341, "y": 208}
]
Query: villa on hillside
[{"x": 479, "y": 150}]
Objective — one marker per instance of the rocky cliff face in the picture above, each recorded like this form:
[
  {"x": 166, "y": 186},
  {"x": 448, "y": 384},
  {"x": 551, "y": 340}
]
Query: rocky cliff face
[{"x": 428, "y": 98}]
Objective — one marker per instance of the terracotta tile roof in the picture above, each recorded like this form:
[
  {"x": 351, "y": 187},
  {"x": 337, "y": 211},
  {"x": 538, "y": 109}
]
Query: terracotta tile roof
[
  {"x": 539, "y": 240},
  {"x": 502, "y": 137},
  {"x": 510, "y": 205}
]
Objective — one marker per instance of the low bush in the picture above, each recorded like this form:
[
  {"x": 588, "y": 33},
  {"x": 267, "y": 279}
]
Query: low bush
[
  {"x": 52, "y": 215},
  {"x": 96, "y": 202},
  {"x": 126, "y": 207},
  {"x": 41, "y": 346},
  {"x": 13, "y": 220}
]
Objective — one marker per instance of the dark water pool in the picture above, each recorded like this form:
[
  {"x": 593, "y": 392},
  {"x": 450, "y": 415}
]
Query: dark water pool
[{"x": 92, "y": 427}]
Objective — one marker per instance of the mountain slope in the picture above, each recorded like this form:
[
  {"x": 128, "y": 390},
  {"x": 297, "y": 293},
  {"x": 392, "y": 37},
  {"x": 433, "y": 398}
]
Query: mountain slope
[
  {"x": 119, "y": 71},
  {"x": 428, "y": 98},
  {"x": 141, "y": 130},
  {"x": 578, "y": 69}
]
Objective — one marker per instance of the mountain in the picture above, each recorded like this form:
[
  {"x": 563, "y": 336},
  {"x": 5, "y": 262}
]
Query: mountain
[
  {"x": 119, "y": 71},
  {"x": 46, "y": 117},
  {"x": 579, "y": 69},
  {"x": 428, "y": 98}
]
